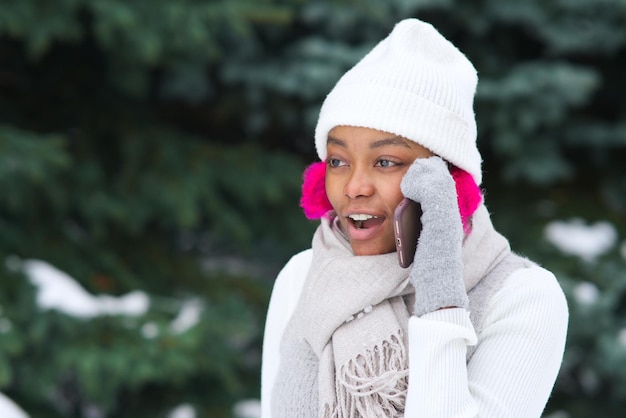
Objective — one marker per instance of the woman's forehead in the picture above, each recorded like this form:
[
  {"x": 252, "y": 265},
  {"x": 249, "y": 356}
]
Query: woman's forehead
[{"x": 369, "y": 139}]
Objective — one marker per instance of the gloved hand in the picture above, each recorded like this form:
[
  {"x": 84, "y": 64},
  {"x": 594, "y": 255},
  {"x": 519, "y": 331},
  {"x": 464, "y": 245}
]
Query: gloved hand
[{"x": 437, "y": 270}]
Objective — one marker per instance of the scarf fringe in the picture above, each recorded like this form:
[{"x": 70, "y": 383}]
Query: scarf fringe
[{"x": 373, "y": 384}]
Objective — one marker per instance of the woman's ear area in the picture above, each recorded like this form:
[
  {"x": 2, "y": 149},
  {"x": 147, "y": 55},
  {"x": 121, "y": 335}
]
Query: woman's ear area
[
  {"x": 469, "y": 195},
  {"x": 314, "y": 200}
]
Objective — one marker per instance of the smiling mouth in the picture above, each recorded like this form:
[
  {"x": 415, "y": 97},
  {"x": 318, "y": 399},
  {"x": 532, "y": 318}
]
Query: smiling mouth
[{"x": 360, "y": 220}]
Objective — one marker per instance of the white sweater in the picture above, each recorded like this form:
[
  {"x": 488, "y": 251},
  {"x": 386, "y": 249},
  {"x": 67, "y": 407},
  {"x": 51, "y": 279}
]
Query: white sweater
[{"x": 511, "y": 373}]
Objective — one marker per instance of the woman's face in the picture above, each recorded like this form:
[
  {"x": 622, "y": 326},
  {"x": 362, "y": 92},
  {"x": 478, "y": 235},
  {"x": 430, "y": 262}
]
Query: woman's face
[{"x": 363, "y": 175}]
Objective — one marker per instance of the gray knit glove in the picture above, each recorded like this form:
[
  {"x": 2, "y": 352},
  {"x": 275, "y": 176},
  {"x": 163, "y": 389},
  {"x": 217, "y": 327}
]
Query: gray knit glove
[{"x": 437, "y": 270}]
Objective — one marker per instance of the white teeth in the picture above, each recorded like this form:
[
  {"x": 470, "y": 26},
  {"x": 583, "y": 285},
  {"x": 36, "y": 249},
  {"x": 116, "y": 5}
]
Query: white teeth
[{"x": 360, "y": 217}]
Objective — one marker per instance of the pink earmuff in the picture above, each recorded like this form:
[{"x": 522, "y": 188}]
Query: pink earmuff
[
  {"x": 468, "y": 195},
  {"x": 315, "y": 203}
]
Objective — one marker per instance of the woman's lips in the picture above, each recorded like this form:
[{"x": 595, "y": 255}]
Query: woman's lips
[{"x": 361, "y": 230}]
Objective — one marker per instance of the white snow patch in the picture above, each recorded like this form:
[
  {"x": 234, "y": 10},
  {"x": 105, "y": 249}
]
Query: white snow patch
[
  {"x": 247, "y": 408},
  {"x": 188, "y": 316},
  {"x": 586, "y": 293},
  {"x": 150, "y": 330},
  {"x": 585, "y": 241},
  {"x": 57, "y": 290},
  {"x": 5, "y": 325},
  {"x": 182, "y": 411}
]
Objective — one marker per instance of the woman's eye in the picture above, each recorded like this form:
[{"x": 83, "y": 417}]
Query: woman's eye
[
  {"x": 334, "y": 162},
  {"x": 385, "y": 163}
]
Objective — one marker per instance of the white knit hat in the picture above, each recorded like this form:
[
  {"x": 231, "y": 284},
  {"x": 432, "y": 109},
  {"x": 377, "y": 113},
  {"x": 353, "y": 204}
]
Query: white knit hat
[{"x": 414, "y": 84}]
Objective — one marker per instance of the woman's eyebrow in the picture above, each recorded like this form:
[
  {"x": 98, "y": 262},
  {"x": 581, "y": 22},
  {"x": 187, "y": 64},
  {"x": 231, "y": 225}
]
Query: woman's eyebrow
[
  {"x": 390, "y": 141},
  {"x": 397, "y": 141},
  {"x": 335, "y": 141}
]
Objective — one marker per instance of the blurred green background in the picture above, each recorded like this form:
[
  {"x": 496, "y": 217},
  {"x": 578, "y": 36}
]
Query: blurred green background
[{"x": 157, "y": 146}]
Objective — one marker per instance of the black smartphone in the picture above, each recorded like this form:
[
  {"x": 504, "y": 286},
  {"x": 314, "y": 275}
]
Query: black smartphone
[{"x": 407, "y": 226}]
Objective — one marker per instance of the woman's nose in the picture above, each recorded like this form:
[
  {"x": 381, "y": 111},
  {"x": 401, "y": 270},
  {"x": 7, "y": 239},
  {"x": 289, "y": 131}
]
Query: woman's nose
[{"x": 359, "y": 184}]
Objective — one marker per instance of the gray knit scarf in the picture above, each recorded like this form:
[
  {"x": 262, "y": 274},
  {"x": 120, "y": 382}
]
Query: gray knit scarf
[{"x": 344, "y": 350}]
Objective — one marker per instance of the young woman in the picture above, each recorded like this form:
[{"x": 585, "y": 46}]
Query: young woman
[{"x": 470, "y": 329}]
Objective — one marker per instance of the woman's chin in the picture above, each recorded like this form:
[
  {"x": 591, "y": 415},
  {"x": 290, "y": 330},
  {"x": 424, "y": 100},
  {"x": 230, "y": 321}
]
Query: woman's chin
[{"x": 371, "y": 248}]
